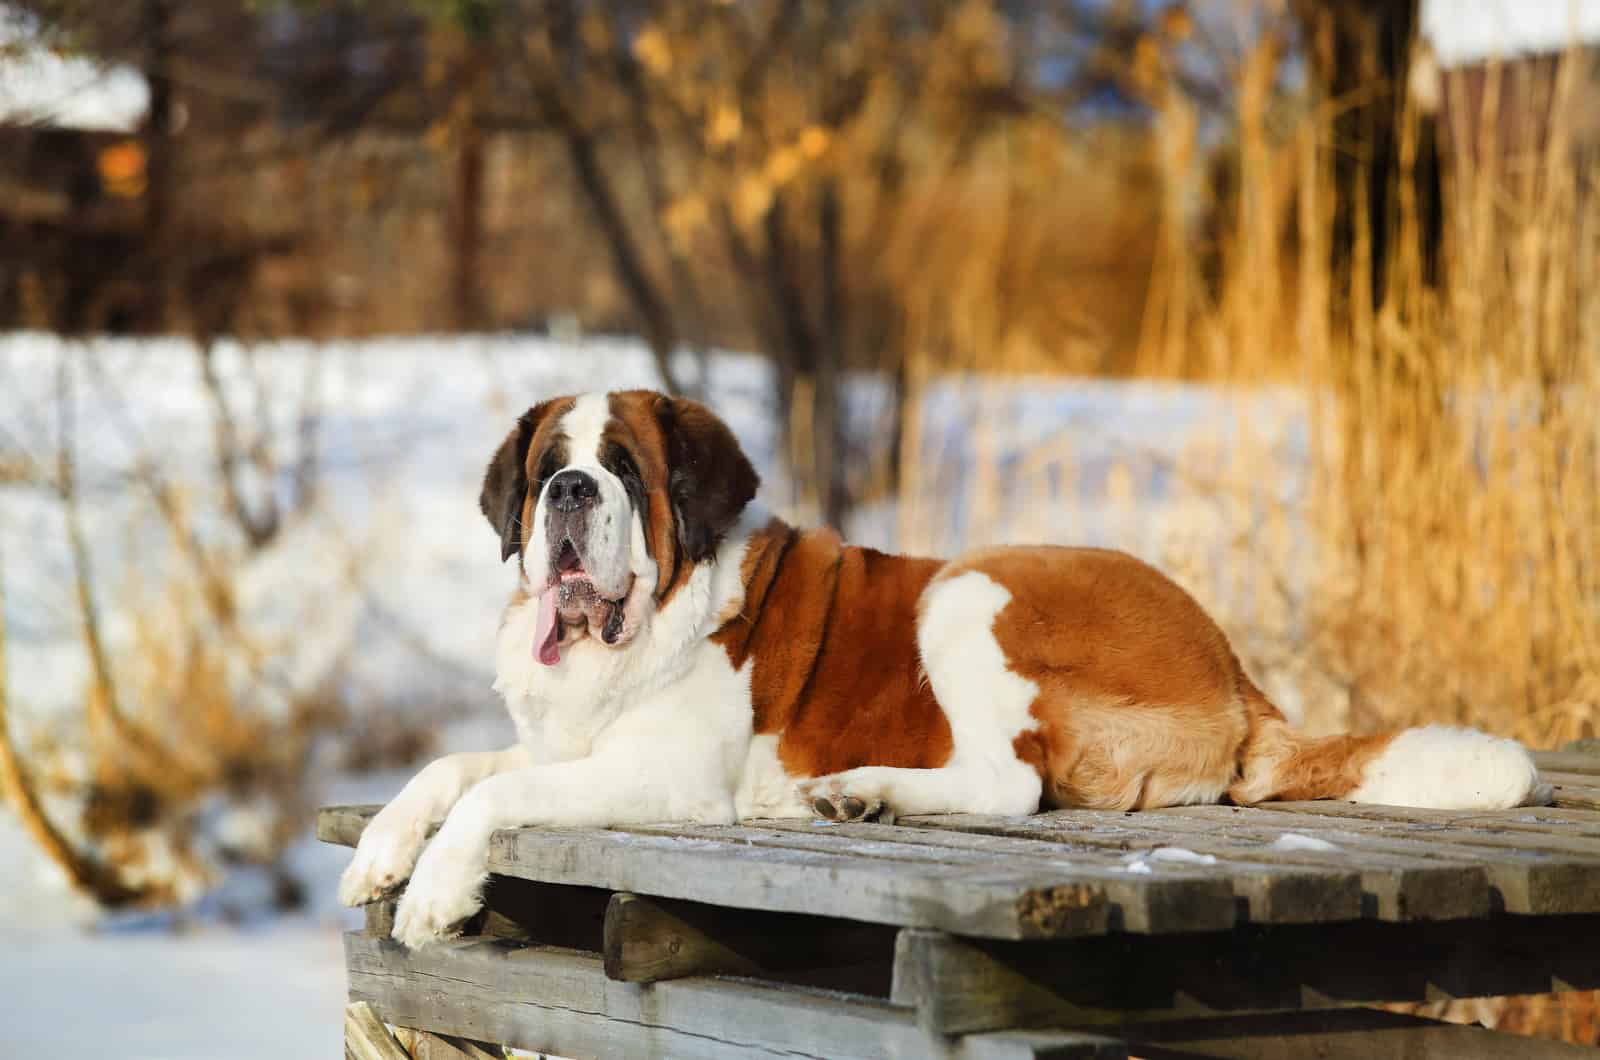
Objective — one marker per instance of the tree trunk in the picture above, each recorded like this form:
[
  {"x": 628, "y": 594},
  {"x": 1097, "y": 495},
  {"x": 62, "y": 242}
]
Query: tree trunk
[
  {"x": 1360, "y": 55},
  {"x": 655, "y": 312},
  {"x": 158, "y": 136},
  {"x": 467, "y": 214}
]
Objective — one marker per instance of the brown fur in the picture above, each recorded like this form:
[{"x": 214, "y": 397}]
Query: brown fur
[
  {"x": 511, "y": 481},
  {"x": 836, "y": 671},
  {"x": 1141, "y": 704},
  {"x": 1139, "y": 696},
  {"x": 692, "y": 481},
  {"x": 1280, "y": 764},
  {"x": 696, "y": 479}
]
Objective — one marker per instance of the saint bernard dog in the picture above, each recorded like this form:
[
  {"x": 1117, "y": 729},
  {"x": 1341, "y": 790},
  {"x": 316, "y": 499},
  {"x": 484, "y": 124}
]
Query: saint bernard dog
[{"x": 670, "y": 653}]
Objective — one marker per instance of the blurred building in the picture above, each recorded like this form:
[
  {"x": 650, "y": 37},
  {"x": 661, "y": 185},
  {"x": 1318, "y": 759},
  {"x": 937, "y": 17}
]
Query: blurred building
[{"x": 1490, "y": 73}]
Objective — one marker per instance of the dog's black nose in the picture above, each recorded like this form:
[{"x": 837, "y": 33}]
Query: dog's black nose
[{"x": 570, "y": 490}]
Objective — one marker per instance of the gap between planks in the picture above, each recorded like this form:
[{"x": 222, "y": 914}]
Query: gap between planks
[{"x": 959, "y": 985}]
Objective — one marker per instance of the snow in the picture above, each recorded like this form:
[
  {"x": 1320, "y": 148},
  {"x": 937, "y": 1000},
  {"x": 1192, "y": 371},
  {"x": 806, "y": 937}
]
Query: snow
[
  {"x": 1182, "y": 856},
  {"x": 1464, "y": 31},
  {"x": 407, "y": 427},
  {"x": 1141, "y": 863},
  {"x": 1296, "y": 841},
  {"x": 275, "y": 992},
  {"x": 39, "y": 85}
]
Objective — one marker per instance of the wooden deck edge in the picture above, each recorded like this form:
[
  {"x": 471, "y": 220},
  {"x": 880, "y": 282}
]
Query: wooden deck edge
[
  {"x": 963, "y": 985},
  {"x": 560, "y": 1001},
  {"x": 366, "y": 1038},
  {"x": 1345, "y": 1034}
]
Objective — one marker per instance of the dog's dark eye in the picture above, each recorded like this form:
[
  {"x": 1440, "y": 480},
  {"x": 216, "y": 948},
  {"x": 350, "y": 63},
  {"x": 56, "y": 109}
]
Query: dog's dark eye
[
  {"x": 619, "y": 462},
  {"x": 549, "y": 464}
]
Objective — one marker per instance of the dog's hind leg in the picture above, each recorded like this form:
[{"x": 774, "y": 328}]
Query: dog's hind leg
[
  {"x": 985, "y": 702},
  {"x": 883, "y": 792}
]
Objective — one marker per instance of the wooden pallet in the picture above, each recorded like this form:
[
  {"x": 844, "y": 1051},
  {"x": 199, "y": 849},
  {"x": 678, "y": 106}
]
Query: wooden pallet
[{"x": 1073, "y": 933}]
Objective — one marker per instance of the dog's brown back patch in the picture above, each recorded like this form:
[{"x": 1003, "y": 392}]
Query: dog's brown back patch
[{"x": 831, "y": 634}]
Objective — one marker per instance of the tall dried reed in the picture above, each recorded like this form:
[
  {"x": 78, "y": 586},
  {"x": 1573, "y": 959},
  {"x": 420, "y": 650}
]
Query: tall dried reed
[
  {"x": 1434, "y": 560},
  {"x": 1428, "y": 553}
]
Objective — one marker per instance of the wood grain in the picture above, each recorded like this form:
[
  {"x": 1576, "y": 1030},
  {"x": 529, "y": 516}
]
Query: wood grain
[
  {"x": 960, "y": 985},
  {"x": 560, "y": 1002},
  {"x": 365, "y": 1036}
]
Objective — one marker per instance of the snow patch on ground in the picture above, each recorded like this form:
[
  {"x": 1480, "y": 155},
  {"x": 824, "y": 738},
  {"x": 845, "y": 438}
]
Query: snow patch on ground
[
  {"x": 1141, "y": 863},
  {"x": 1296, "y": 841}
]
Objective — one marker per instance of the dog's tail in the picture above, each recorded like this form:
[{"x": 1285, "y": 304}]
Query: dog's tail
[{"x": 1436, "y": 767}]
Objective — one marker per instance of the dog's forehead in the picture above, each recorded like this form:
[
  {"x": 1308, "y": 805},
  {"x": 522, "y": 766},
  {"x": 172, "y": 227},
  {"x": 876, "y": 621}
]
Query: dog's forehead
[
  {"x": 591, "y": 424},
  {"x": 584, "y": 426}
]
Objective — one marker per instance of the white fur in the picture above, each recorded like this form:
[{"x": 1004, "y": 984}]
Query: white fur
[
  {"x": 1445, "y": 768},
  {"x": 985, "y": 702},
  {"x": 608, "y": 552},
  {"x": 765, "y": 787},
  {"x": 657, "y": 731},
  {"x": 392, "y": 840},
  {"x": 675, "y": 756}
]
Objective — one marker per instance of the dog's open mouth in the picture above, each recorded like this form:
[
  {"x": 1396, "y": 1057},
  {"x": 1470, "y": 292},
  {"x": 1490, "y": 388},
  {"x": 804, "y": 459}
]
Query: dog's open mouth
[{"x": 571, "y": 607}]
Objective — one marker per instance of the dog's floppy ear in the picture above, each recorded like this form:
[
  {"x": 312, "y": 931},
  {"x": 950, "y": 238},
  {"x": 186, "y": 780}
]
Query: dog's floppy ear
[
  {"x": 505, "y": 484},
  {"x": 709, "y": 478}
]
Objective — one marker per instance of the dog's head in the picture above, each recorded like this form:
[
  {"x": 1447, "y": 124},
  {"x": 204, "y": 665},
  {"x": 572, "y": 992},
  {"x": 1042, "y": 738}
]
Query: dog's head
[{"x": 609, "y": 501}]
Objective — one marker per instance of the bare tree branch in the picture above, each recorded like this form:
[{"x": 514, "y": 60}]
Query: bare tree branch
[{"x": 83, "y": 871}]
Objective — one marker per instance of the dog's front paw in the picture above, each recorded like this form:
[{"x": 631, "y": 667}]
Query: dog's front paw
[
  {"x": 834, "y": 798},
  {"x": 384, "y": 858},
  {"x": 446, "y": 890}
]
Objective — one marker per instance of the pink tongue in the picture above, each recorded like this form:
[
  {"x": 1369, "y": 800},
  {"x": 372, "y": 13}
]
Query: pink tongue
[{"x": 547, "y": 633}]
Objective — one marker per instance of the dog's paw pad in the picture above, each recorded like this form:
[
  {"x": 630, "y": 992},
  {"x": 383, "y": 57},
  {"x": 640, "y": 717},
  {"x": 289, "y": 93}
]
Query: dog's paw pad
[{"x": 844, "y": 808}]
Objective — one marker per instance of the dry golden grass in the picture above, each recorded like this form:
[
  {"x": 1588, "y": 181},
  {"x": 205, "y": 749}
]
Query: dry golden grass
[{"x": 1442, "y": 565}]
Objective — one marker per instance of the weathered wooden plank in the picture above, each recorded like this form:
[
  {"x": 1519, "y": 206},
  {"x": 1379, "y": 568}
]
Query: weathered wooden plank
[
  {"x": 1391, "y": 884},
  {"x": 1477, "y": 839},
  {"x": 1567, "y": 762},
  {"x": 1399, "y": 881},
  {"x": 426, "y": 1046},
  {"x": 1530, "y": 872},
  {"x": 1344, "y": 1034},
  {"x": 1574, "y": 791},
  {"x": 1538, "y": 861},
  {"x": 960, "y": 985},
  {"x": 993, "y": 901},
  {"x": 380, "y": 917},
  {"x": 343, "y": 825},
  {"x": 1170, "y": 897},
  {"x": 1284, "y": 892},
  {"x": 560, "y": 1002},
  {"x": 365, "y": 1036},
  {"x": 651, "y": 939},
  {"x": 1568, "y": 827}
]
